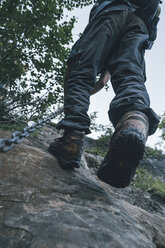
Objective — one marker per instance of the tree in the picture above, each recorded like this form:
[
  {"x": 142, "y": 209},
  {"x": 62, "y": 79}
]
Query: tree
[
  {"x": 34, "y": 45},
  {"x": 162, "y": 126}
]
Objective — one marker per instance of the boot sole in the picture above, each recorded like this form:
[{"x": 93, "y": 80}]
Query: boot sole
[{"x": 124, "y": 156}]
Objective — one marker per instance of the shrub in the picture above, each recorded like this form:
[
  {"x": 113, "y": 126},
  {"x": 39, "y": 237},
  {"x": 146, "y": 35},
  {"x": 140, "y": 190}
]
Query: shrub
[{"x": 147, "y": 182}]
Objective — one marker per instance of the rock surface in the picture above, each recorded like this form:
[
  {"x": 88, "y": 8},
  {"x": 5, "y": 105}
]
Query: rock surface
[
  {"x": 155, "y": 167},
  {"x": 43, "y": 206}
]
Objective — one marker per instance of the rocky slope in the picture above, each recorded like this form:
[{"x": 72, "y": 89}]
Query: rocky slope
[{"x": 43, "y": 206}]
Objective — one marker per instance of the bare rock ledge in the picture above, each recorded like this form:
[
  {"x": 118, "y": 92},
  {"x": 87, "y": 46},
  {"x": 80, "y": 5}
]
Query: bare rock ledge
[{"x": 43, "y": 206}]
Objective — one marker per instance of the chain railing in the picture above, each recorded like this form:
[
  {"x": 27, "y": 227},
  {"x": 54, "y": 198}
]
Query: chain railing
[{"x": 6, "y": 144}]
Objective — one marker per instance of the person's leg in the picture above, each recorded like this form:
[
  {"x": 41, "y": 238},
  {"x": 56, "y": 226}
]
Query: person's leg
[
  {"x": 89, "y": 54},
  {"x": 127, "y": 68},
  {"x": 126, "y": 149},
  {"x": 130, "y": 110}
]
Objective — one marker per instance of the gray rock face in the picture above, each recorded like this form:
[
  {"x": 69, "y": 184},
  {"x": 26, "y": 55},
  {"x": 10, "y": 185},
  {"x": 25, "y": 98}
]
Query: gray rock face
[
  {"x": 155, "y": 167},
  {"x": 93, "y": 161},
  {"x": 152, "y": 203},
  {"x": 43, "y": 206}
]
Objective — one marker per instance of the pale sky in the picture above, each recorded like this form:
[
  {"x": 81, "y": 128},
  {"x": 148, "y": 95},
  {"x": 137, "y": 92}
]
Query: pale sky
[{"x": 155, "y": 67}]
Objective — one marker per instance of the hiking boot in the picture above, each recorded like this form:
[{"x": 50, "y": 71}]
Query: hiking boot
[
  {"x": 127, "y": 147},
  {"x": 68, "y": 149}
]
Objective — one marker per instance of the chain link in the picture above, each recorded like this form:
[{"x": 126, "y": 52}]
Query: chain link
[{"x": 16, "y": 138}]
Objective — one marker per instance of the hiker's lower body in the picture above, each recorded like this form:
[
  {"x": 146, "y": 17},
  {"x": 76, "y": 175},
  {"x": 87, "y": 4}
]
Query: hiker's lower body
[{"x": 116, "y": 42}]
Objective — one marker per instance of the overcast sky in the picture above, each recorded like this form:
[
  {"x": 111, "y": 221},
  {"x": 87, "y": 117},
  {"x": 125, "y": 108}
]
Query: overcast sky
[{"x": 155, "y": 69}]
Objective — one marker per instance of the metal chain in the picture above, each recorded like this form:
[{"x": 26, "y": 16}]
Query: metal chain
[{"x": 16, "y": 138}]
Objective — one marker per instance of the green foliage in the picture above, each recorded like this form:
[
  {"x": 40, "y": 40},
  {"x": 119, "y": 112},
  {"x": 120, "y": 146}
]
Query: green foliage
[
  {"x": 52, "y": 124},
  {"x": 97, "y": 151},
  {"x": 12, "y": 127},
  {"x": 102, "y": 143},
  {"x": 145, "y": 181},
  {"x": 154, "y": 153},
  {"x": 34, "y": 46},
  {"x": 162, "y": 126},
  {"x": 105, "y": 129},
  {"x": 16, "y": 126}
]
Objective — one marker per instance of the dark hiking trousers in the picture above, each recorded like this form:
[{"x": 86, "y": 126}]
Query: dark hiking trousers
[{"x": 115, "y": 41}]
